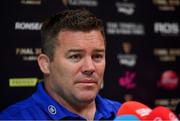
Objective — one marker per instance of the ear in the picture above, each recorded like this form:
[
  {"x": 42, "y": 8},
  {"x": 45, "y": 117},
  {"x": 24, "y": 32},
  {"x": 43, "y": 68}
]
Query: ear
[{"x": 44, "y": 63}]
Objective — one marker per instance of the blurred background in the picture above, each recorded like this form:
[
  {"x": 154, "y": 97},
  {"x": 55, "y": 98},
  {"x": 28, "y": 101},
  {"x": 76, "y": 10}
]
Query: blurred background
[{"x": 143, "y": 50}]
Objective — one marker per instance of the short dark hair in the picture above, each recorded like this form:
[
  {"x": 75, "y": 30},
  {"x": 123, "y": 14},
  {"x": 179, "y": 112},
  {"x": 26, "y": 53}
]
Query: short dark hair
[{"x": 75, "y": 20}]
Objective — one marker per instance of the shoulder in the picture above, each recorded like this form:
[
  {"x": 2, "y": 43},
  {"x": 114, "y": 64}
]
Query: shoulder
[
  {"x": 21, "y": 110},
  {"x": 108, "y": 103},
  {"x": 113, "y": 103}
]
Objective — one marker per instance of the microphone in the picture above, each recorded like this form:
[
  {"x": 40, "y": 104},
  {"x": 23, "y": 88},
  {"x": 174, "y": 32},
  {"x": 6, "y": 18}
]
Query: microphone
[
  {"x": 134, "y": 108},
  {"x": 127, "y": 117},
  {"x": 161, "y": 113}
]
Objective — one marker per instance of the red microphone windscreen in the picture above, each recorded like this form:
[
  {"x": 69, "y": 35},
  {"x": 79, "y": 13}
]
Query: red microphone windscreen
[
  {"x": 134, "y": 108},
  {"x": 161, "y": 113}
]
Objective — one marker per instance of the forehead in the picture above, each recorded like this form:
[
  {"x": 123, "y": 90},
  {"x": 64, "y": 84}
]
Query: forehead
[{"x": 81, "y": 39}]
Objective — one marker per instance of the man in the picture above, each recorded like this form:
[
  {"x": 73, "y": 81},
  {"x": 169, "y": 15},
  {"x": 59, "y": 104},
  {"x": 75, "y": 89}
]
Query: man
[{"x": 73, "y": 63}]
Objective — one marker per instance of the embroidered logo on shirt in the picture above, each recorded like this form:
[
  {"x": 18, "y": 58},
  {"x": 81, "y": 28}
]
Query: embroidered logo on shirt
[{"x": 52, "y": 109}]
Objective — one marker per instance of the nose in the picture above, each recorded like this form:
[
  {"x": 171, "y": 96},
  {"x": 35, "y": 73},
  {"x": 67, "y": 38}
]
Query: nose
[{"x": 88, "y": 67}]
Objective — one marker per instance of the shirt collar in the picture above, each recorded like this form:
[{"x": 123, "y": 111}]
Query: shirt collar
[
  {"x": 57, "y": 111},
  {"x": 49, "y": 105}
]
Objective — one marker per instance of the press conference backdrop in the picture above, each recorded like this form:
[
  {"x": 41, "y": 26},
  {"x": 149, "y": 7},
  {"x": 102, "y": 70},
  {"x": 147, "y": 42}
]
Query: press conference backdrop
[{"x": 143, "y": 50}]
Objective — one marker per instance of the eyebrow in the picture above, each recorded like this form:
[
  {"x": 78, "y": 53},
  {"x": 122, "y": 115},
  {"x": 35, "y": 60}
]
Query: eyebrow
[
  {"x": 99, "y": 50},
  {"x": 81, "y": 50}
]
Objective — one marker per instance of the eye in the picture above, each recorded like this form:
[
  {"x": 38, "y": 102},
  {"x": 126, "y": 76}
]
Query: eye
[
  {"x": 98, "y": 57},
  {"x": 75, "y": 57}
]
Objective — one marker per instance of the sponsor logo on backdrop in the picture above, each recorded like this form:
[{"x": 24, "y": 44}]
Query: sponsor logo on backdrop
[
  {"x": 125, "y": 28},
  {"x": 167, "y": 102},
  {"x": 28, "y": 26},
  {"x": 166, "y": 28},
  {"x": 167, "y": 54},
  {"x": 166, "y": 5},
  {"x": 169, "y": 80},
  {"x": 127, "y": 80},
  {"x": 23, "y": 82},
  {"x": 125, "y": 7},
  {"x": 89, "y": 3},
  {"x": 31, "y": 2},
  {"x": 127, "y": 58},
  {"x": 28, "y": 54}
]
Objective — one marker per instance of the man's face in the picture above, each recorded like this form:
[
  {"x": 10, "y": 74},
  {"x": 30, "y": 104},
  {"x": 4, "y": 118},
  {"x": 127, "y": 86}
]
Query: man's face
[{"x": 77, "y": 69}]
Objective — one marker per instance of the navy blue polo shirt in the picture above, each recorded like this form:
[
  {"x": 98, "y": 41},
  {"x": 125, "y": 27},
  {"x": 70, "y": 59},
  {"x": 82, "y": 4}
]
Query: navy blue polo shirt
[{"x": 41, "y": 106}]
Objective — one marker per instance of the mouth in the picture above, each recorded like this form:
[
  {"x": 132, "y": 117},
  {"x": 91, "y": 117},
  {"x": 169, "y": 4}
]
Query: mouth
[{"x": 87, "y": 82}]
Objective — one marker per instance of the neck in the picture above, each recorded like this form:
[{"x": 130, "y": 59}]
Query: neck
[{"x": 87, "y": 111}]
